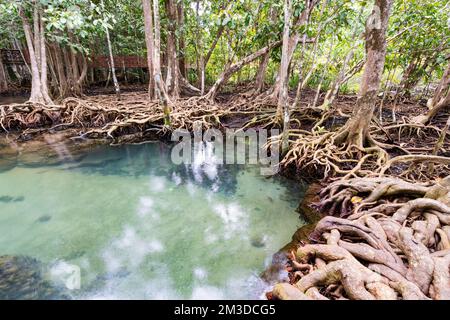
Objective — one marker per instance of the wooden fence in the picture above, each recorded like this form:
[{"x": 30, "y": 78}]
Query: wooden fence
[{"x": 119, "y": 62}]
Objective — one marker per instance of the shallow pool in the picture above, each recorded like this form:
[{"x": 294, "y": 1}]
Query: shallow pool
[{"x": 138, "y": 227}]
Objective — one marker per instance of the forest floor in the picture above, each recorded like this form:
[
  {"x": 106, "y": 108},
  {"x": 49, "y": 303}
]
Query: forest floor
[{"x": 382, "y": 226}]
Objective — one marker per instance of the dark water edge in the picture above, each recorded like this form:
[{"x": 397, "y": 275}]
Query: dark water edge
[{"x": 18, "y": 98}]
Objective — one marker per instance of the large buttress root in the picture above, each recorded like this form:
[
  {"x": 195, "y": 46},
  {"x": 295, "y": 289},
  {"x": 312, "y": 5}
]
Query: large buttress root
[{"x": 393, "y": 243}]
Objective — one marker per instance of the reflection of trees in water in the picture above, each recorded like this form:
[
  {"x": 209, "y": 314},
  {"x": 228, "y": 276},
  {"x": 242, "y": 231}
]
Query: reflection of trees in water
[
  {"x": 155, "y": 159},
  {"x": 21, "y": 278},
  {"x": 224, "y": 181},
  {"x": 203, "y": 171}
]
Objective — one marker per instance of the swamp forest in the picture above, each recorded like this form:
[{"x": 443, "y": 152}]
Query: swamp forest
[{"x": 214, "y": 149}]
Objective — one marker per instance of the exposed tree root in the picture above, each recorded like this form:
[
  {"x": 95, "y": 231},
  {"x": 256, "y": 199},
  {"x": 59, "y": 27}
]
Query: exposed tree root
[
  {"x": 403, "y": 149},
  {"x": 104, "y": 116},
  {"x": 392, "y": 149},
  {"x": 393, "y": 243}
]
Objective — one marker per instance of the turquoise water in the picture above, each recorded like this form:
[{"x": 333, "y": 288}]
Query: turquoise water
[{"x": 139, "y": 227}]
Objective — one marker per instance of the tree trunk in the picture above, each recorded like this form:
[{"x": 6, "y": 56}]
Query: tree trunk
[
  {"x": 44, "y": 67},
  {"x": 59, "y": 66},
  {"x": 440, "y": 99},
  {"x": 219, "y": 33},
  {"x": 201, "y": 60},
  {"x": 78, "y": 70},
  {"x": 84, "y": 70},
  {"x": 442, "y": 90},
  {"x": 292, "y": 45},
  {"x": 3, "y": 78},
  {"x": 70, "y": 69},
  {"x": 113, "y": 68},
  {"x": 54, "y": 79},
  {"x": 111, "y": 59},
  {"x": 228, "y": 72},
  {"x": 172, "y": 80},
  {"x": 408, "y": 78},
  {"x": 149, "y": 41},
  {"x": 261, "y": 74},
  {"x": 334, "y": 88},
  {"x": 18, "y": 46},
  {"x": 283, "y": 104},
  {"x": 39, "y": 94},
  {"x": 214, "y": 43},
  {"x": 284, "y": 65},
  {"x": 181, "y": 41},
  {"x": 356, "y": 130},
  {"x": 161, "y": 91}
]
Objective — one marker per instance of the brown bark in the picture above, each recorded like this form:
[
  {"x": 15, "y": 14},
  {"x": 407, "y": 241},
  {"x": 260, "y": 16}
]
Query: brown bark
[
  {"x": 407, "y": 78},
  {"x": 417, "y": 67},
  {"x": 84, "y": 71},
  {"x": 219, "y": 33},
  {"x": 69, "y": 69},
  {"x": 214, "y": 44},
  {"x": 77, "y": 70},
  {"x": 18, "y": 46},
  {"x": 388, "y": 248},
  {"x": 334, "y": 88},
  {"x": 172, "y": 79},
  {"x": 44, "y": 67},
  {"x": 161, "y": 91},
  {"x": 284, "y": 65}
]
